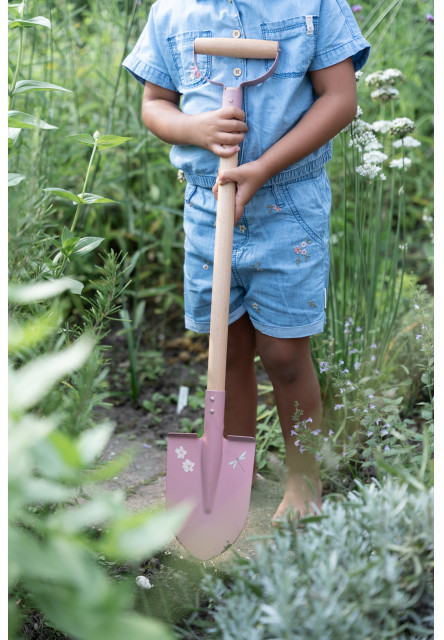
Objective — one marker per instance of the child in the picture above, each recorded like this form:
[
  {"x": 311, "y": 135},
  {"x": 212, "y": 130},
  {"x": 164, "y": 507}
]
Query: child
[{"x": 283, "y": 134}]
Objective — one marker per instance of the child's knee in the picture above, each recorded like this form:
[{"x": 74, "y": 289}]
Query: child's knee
[{"x": 286, "y": 361}]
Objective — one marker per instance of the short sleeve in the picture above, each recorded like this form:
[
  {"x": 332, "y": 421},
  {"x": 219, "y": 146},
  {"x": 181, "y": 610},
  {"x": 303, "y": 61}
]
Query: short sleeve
[
  {"x": 339, "y": 37},
  {"x": 146, "y": 60}
]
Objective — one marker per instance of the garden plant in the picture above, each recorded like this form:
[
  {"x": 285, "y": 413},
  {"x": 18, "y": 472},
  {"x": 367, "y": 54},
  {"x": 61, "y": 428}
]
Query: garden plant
[{"x": 89, "y": 271}]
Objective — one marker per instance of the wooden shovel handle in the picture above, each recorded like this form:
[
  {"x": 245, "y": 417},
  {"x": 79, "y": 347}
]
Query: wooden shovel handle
[
  {"x": 220, "y": 300},
  {"x": 237, "y": 47}
]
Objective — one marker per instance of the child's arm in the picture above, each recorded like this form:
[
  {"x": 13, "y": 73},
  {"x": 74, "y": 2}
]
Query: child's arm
[
  {"x": 335, "y": 107},
  {"x": 211, "y": 130}
]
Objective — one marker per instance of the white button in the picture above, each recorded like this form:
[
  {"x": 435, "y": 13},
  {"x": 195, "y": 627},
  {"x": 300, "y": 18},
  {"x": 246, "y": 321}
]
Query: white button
[
  {"x": 237, "y": 72},
  {"x": 236, "y": 33}
]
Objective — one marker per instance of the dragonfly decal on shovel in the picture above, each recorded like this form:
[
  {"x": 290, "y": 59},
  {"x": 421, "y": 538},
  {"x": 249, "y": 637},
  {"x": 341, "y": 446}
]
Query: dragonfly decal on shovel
[{"x": 236, "y": 460}]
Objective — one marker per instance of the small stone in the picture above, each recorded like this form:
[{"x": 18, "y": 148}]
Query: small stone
[{"x": 143, "y": 582}]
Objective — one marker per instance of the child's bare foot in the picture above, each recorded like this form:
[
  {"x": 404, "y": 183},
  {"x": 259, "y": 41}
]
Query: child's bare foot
[{"x": 301, "y": 491}]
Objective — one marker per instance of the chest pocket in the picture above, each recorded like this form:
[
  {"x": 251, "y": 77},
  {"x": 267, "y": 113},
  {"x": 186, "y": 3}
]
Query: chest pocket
[
  {"x": 182, "y": 48},
  {"x": 297, "y": 38}
]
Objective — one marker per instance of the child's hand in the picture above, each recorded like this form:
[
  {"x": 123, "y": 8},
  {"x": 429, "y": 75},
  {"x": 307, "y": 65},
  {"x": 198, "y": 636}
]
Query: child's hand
[
  {"x": 249, "y": 178},
  {"x": 220, "y": 131}
]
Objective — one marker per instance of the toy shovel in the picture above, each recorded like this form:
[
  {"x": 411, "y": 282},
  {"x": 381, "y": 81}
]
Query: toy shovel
[{"x": 214, "y": 472}]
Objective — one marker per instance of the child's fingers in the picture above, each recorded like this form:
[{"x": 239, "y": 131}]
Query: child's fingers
[{"x": 225, "y": 151}]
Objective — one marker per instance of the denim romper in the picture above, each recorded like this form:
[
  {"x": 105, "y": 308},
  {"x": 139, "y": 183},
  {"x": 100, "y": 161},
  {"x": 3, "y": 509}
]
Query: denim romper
[{"x": 280, "y": 260}]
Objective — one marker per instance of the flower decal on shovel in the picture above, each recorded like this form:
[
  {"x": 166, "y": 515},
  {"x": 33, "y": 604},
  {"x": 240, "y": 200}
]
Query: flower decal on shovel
[
  {"x": 234, "y": 462},
  {"x": 188, "y": 465}
]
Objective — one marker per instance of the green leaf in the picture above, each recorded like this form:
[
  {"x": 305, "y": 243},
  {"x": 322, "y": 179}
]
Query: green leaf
[
  {"x": 107, "y": 506},
  {"x": 32, "y": 382},
  {"x": 38, "y": 21},
  {"x": 83, "y": 138},
  {"x": 43, "y": 289},
  {"x": 22, "y": 120},
  {"x": 86, "y": 245},
  {"x": 142, "y": 534},
  {"x": 66, "y": 233},
  {"x": 62, "y": 193},
  {"x": 14, "y": 179},
  {"x": 24, "y": 86},
  {"x": 16, "y": 10},
  {"x": 92, "y": 442},
  {"x": 108, "y": 141},
  {"x": 13, "y": 134},
  {"x": 91, "y": 198}
]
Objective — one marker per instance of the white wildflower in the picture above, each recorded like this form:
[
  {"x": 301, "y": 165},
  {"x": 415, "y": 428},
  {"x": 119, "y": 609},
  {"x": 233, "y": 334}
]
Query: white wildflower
[
  {"x": 181, "y": 176},
  {"x": 385, "y": 94},
  {"x": 364, "y": 140},
  {"x": 374, "y": 157},
  {"x": 358, "y": 75},
  {"x": 400, "y": 163},
  {"x": 408, "y": 141},
  {"x": 369, "y": 171},
  {"x": 381, "y": 126},
  {"x": 401, "y": 127},
  {"x": 384, "y": 77}
]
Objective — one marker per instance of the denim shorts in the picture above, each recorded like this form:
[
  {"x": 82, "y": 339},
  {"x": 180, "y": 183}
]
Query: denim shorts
[{"x": 280, "y": 261}]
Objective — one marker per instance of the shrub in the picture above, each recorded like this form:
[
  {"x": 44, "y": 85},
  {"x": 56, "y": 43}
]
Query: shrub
[{"x": 362, "y": 570}]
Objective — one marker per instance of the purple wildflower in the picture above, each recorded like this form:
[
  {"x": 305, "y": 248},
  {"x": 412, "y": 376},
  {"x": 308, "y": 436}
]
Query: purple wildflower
[
  {"x": 356, "y": 8},
  {"x": 429, "y": 17},
  {"x": 369, "y": 433},
  {"x": 373, "y": 346},
  {"x": 418, "y": 336},
  {"x": 331, "y": 433},
  {"x": 338, "y": 406},
  {"x": 323, "y": 367},
  {"x": 384, "y": 432},
  {"x": 316, "y": 432},
  {"x": 386, "y": 448},
  {"x": 372, "y": 406},
  {"x": 296, "y": 443},
  {"x": 357, "y": 365}
]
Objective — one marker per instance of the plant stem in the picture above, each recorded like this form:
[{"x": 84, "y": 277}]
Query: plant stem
[
  {"x": 17, "y": 68},
  {"x": 76, "y": 215}
]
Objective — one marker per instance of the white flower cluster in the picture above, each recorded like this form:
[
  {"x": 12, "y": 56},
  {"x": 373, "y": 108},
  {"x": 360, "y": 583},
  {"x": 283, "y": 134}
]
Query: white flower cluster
[
  {"x": 371, "y": 171},
  {"x": 384, "y": 78},
  {"x": 381, "y": 126},
  {"x": 400, "y": 163},
  {"x": 374, "y": 157},
  {"x": 408, "y": 141},
  {"x": 401, "y": 127},
  {"x": 385, "y": 94}
]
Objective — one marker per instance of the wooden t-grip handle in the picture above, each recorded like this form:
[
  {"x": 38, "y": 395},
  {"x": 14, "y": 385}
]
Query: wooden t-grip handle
[{"x": 237, "y": 47}]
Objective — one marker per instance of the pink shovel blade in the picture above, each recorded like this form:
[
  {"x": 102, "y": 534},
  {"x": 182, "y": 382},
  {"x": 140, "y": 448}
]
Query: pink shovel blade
[{"x": 215, "y": 474}]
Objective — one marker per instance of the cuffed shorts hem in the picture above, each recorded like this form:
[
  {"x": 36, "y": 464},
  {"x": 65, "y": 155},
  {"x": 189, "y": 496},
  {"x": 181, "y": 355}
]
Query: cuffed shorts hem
[
  {"x": 204, "y": 327},
  {"x": 289, "y": 332}
]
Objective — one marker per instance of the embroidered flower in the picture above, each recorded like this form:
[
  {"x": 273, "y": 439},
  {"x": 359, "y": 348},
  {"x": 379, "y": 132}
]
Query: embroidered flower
[
  {"x": 301, "y": 251},
  {"x": 205, "y": 266},
  {"x": 181, "y": 453},
  {"x": 188, "y": 466}
]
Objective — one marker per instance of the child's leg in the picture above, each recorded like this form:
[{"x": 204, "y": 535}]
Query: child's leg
[
  {"x": 241, "y": 385},
  {"x": 290, "y": 368}
]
